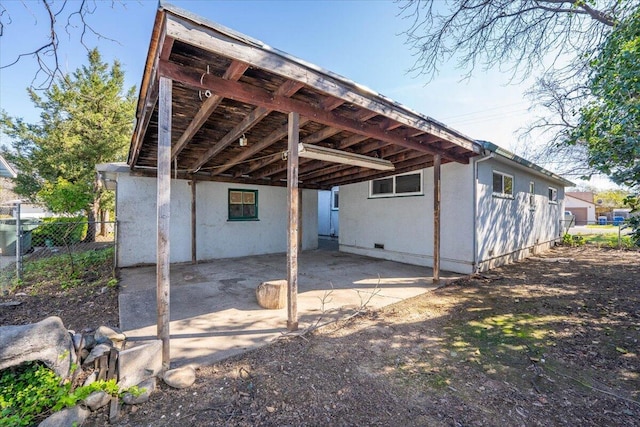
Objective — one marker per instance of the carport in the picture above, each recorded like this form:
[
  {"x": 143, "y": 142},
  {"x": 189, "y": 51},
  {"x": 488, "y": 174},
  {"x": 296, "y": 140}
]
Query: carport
[{"x": 216, "y": 105}]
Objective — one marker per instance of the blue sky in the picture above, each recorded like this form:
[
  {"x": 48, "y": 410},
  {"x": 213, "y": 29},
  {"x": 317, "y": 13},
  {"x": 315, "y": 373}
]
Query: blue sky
[{"x": 360, "y": 40}]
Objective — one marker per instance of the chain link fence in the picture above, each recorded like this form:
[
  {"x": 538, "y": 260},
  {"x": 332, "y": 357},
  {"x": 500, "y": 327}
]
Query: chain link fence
[
  {"x": 603, "y": 232},
  {"x": 26, "y": 240}
]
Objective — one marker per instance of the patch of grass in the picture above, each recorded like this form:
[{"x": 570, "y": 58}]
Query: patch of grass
[
  {"x": 423, "y": 371},
  {"x": 91, "y": 268},
  {"x": 501, "y": 336},
  {"x": 609, "y": 240}
]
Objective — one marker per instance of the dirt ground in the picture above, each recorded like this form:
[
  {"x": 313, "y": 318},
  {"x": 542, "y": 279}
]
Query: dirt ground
[{"x": 549, "y": 341}]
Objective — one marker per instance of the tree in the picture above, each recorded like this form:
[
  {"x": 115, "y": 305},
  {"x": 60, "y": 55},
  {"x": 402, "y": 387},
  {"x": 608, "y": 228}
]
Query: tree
[
  {"x": 609, "y": 124},
  {"x": 86, "y": 118},
  {"x": 556, "y": 39},
  {"x": 71, "y": 18}
]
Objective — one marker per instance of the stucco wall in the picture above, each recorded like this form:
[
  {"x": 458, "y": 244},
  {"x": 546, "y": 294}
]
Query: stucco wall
[
  {"x": 508, "y": 228},
  {"x": 216, "y": 236},
  {"x": 404, "y": 225}
]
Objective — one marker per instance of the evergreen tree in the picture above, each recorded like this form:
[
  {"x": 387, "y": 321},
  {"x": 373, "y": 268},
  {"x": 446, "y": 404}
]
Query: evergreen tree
[{"x": 86, "y": 118}]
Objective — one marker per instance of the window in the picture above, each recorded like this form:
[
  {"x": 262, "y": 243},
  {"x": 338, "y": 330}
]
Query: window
[
  {"x": 243, "y": 205},
  {"x": 553, "y": 195},
  {"x": 502, "y": 184},
  {"x": 335, "y": 200},
  {"x": 532, "y": 195},
  {"x": 400, "y": 185}
]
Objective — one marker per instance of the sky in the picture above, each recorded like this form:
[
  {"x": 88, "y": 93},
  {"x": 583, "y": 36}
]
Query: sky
[{"x": 361, "y": 40}]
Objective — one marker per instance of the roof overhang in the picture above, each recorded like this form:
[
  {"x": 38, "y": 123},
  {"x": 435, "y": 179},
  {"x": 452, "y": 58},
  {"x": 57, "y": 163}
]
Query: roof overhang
[
  {"x": 525, "y": 164},
  {"x": 228, "y": 87}
]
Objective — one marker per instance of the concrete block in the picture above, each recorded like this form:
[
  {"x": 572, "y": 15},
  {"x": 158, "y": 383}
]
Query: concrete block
[{"x": 139, "y": 363}]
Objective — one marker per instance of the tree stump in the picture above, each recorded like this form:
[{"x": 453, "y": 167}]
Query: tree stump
[{"x": 272, "y": 294}]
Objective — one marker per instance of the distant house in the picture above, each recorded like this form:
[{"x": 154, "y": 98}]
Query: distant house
[
  {"x": 8, "y": 197},
  {"x": 7, "y": 174},
  {"x": 580, "y": 204}
]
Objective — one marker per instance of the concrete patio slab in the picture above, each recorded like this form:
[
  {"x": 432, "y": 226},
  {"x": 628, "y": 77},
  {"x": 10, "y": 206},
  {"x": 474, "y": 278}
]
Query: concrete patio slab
[{"x": 214, "y": 312}]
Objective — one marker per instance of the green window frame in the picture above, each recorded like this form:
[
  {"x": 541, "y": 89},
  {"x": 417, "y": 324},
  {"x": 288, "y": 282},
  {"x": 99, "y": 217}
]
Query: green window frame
[{"x": 243, "y": 205}]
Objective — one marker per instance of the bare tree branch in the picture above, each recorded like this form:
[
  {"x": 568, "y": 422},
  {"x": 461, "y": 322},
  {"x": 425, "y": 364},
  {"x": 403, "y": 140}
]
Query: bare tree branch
[
  {"x": 555, "y": 39},
  {"x": 70, "y": 16}
]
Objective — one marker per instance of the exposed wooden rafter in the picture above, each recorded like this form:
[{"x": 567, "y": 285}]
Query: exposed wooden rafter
[
  {"x": 234, "y": 72},
  {"x": 287, "y": 89},
  {"x": 328, "y": 104},
  {"x": 253, "y": 95}
]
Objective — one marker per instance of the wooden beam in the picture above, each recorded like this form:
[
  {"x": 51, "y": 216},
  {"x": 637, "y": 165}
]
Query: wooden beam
[
  {"x": 403, "y": 159},
  {"x": 271, "y": 139},
  {"x": 148, "y": 89},
  {"x": 293, "y": 201},
  {"x": 287, "y": 89},
  {"x": 234, "y": 72},
  {"x": 436, "y": 218},
  {"x": 139, "y": 132},
  {"x": 203, "y": 176},
  {"x": 369, "y": 174},
  {"x": 253, "y": 95},
  {"x": 163, "y": 203},
  {"x": 227, "y": 45},
  {"x": 395, "y": 155},
  {"x": 328, "y": 104},
  {"x": 194, "y": 247},
  {"x": 167, "y": 47}
]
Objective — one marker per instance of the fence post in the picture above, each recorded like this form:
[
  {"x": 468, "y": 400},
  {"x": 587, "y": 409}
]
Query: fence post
[
  {"x": 18, "y": 242},
  {"x": 115, "y": 244},
  {"x": 619, "y": 235}
]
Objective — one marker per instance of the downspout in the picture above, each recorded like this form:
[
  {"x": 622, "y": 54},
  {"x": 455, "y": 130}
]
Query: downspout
[{"x": 491, "y": 155}]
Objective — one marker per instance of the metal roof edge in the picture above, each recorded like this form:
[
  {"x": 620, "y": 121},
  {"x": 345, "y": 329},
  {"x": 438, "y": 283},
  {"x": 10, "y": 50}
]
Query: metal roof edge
[
  {"x": 522, "y": 161},
  {"x": 362, "y": 89},
  {"x": 12, "y": 171}
]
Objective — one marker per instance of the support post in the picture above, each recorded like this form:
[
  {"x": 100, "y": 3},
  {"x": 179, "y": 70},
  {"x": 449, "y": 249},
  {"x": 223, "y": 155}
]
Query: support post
[
  {"x": 194, "y": 253},
  {"x": 163, "y": 203},
  {"x": 300, "y": 227},
  {"x": 436, "y": 218},
  {"x": 292, "y": 228},
  {"x": 18, "y": 242}
]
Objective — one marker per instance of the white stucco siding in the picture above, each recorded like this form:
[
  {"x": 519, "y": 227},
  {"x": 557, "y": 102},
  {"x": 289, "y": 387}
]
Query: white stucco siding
[
  {"x": 136, "y": 215},
  {"x": 509, "y": 228},
  {"x": 404, "y": 225},
  {"x": 217, "y": 237}
]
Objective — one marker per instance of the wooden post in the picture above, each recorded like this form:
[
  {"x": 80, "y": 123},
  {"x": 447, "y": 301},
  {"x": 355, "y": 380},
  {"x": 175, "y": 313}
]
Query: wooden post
[
  {"x": 436, "y": 218},
  {"x": 194, "y": 253},
  {"x": 163, "y": 203},
  {"x": 300, "y": 228},
  {"x": 292, "y": 230}
]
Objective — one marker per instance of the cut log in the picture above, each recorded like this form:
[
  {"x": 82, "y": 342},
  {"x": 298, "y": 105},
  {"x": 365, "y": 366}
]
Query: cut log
[{"x": 272, "y": 294}]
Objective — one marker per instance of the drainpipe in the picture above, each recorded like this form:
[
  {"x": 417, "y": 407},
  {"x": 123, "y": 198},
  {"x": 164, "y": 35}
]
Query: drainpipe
[{"x": 491, "y": 155}]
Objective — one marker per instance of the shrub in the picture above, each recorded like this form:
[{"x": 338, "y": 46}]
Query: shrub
[
  {"x": 60, "y": 231},
  {"x": 573, "y": 240},
  {"x": 30, "y": 392}
]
